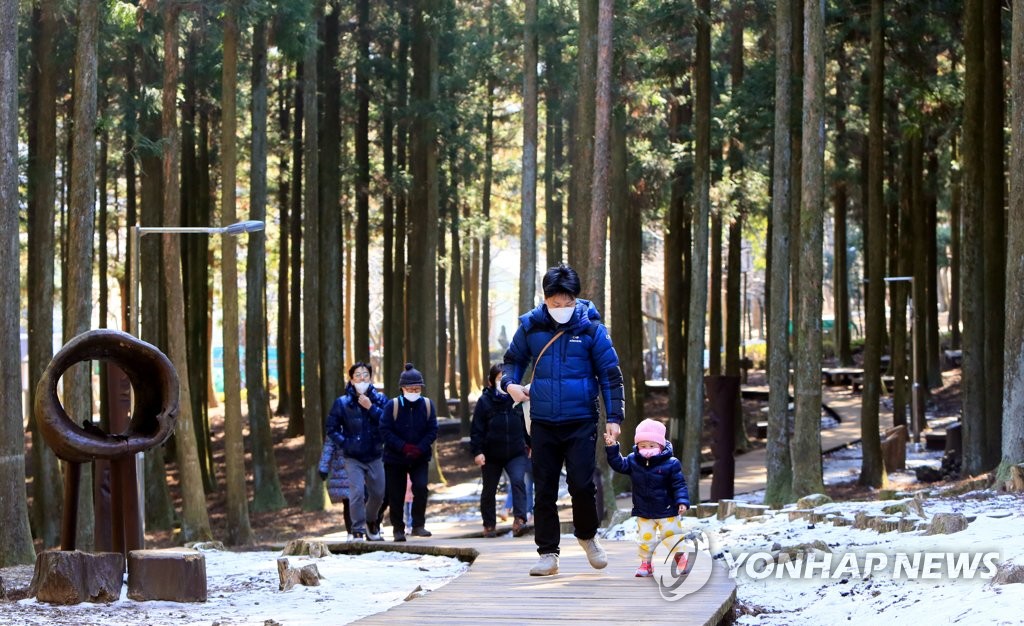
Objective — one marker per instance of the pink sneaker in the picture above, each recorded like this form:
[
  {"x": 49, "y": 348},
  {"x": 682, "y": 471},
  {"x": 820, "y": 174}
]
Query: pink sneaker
[
  {"x": 644, "y": 570},
  {"x": 681, "y": 562}
]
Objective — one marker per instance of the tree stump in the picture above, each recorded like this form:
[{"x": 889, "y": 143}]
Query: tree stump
[
  {"x": 894, "y": 448},
  {"x": 813, "y": 500},
  {"x": 726, "y": 508},
  {"x": 746, "y": 511},
  {"x": 1016, "y": 481},
  {"x": 174, "y": 575},
  {"x": 946, "y": 524},
  {"x": 307, "y": 575},
  {"x": 70, "y": 577}
]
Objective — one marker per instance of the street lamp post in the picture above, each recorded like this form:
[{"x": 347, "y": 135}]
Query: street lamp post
[
  {"x": 134, "y": 301},
  {"x": 915, "y": 400}
]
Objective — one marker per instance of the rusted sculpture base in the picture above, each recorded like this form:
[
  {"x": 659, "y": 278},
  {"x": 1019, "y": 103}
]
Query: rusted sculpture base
[
  {"x": 174, "y": 574},
  {"x": 70, "y": 577}
]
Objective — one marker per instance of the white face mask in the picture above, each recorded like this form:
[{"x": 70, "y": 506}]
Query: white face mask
[
  {"x": 411, "y": 397},
  {"x": 361, "y": 387},
  {"x": 561, "y": 314}
]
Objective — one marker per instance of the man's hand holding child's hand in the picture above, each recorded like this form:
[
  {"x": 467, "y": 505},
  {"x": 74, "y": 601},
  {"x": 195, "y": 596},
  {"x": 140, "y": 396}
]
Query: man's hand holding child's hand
[
  {"x": 682, "y": 509},
  {"x": 609, "y": 440}
]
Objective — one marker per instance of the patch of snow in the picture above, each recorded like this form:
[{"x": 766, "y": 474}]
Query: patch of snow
[{"x": 242, "y": 588}]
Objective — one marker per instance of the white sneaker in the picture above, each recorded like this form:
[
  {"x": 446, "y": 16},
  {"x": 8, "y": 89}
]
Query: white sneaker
[
  {"x": 547, "y": 565},
  {"x": 595, "y": 553}
]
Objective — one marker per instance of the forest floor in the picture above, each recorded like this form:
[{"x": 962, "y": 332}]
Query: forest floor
[{"x": 272, "y": 529}]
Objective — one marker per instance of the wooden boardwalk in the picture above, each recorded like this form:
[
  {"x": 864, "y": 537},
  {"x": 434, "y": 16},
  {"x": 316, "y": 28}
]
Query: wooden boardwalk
[{"x": 498, "y": 589}]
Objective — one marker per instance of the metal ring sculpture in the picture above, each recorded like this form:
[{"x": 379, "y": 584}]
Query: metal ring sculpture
[{"x": 154, "y": 382}]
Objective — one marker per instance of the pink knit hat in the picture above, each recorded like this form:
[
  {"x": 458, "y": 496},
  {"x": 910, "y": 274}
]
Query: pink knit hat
[{"x": 650, "y": 430}]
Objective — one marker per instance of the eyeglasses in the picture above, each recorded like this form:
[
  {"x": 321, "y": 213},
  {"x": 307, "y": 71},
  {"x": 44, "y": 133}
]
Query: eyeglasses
[{"x": 361, "y": 375}]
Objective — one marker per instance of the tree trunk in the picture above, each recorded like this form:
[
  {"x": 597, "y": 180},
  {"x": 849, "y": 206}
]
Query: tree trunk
[
  {"x": 390, "y": 272},
  {"x": 806, "y": 443},
  {"x": 15, "y": 534},
  {"x": 677, "y": 244},
  {"x": 841, "y": 269},
  {"x": 626, "y": 235},
  {"x": 159, "y": 508},
  {"x": 313, "y": 495},
  {"x": 396, "y": 354},
  {"x": 239, "y": 532},
  {"x": 77, "y": 290},
  {"x": 296, "y": 424},
  {"x": 423, "y": 205},
  {"x": 690, "y": 455},
  {"x": 1013, "y": 391},
  {"x": 47, "y": 500},
  {"x": 994, "y": 229},
  {"x": 600, "y": 198},
  {"x": 484, "y": 284},
  {"x": 462, "y": 338},
  {"x": 361, "y": 304},
  {"x": 266, "y": 485},
  {"x": 284, "y": 312},
  {"x": 715, "y": 298},
  {"x": 975, "y": 363},
  {"x": 333, "y": 314},
  {"x": 779, "y": 488},
  {"x": 956, "y": 226},
  {"x": 553, "y": 157},
  {"x": 528, "y": 191},
  {"x": 581, "y": 176},
  {"x": 195, "y": 524},
  {"x": 872, "y": 472},
  {"x": 919, "y": 268}
]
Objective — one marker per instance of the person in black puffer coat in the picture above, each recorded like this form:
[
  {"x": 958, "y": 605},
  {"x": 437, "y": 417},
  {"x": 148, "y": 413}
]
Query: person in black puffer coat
[
  {"x": 660, "y": 496},
  {"x": 499, "y": 442}
]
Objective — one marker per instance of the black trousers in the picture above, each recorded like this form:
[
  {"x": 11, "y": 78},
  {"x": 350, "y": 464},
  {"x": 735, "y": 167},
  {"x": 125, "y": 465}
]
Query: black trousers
[
  {"x": 395, "y": 482},
  {"x": 574, "y": 445}
]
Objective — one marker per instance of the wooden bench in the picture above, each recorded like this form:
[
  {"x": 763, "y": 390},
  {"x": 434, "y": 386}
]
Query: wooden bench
[{"x": 835, "y": 376}]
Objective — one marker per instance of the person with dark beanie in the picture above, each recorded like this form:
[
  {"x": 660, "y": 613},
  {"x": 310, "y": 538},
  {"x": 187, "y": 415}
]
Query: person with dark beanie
[
  {"x": 409, "y": 427},
  {"x": 573, "y": 361}
]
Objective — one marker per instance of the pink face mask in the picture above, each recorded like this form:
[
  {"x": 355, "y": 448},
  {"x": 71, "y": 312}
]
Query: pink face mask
[{"x": 649, "y": 452}]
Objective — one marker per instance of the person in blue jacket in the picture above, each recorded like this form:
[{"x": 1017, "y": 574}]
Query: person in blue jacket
[
  {"x": 409, "y": 428},
  {"x": 353, "y": 425},
  {"x": 499, "y": 442},
  {"x": 577, "y": 362},
  {"x": 660, "y": 497}
]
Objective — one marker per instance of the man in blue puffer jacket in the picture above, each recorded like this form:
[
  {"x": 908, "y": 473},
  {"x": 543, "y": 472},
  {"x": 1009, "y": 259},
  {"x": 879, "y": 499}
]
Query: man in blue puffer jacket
[
  {"x": 577, "y": 362},
  {"x": 354, "y": 426}
]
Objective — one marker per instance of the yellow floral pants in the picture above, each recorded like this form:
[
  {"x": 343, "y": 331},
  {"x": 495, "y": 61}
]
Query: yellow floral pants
[{"x": 647, "y": 532}]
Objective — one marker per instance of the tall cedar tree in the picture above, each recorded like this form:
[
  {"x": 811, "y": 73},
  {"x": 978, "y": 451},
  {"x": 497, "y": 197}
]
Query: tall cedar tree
[
  {"x": 47, "y": 501},
  {"x": 1013, "y": 393},
  {"x": 313, "y": 496},
  {"x": 239, "y": 532},
  {"x": 266, "y": 484},
  {"x": 779, "y": 488},
  {"x": 77, "y": 289},
  {"x": 195, "y": 522},
  {"x": 699, "y": 267},
  {"x": 15, "y": 534},
  {"x": 528, "y": 190},
  {"x": 871, "y": 472}
]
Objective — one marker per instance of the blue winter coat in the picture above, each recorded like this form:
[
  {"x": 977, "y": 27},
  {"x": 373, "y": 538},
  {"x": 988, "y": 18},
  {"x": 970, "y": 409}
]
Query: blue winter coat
[
  {"x": 658, "y": 483},
  {"x": 578, "y": 365},
  {"x": 355, "y": 430},
  {"x": 499, "y": 430},
  {"x": 413, "y": 424},
  {"x": 332, "y": 463}
]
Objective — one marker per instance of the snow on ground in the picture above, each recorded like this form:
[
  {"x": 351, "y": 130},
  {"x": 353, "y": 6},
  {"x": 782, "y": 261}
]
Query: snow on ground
[
  {"x": 242, "y": 588},
  {"x": 883, "y": 595}
]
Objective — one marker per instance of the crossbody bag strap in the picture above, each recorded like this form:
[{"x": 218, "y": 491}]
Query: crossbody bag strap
[{"x": 542, "y": 351}]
